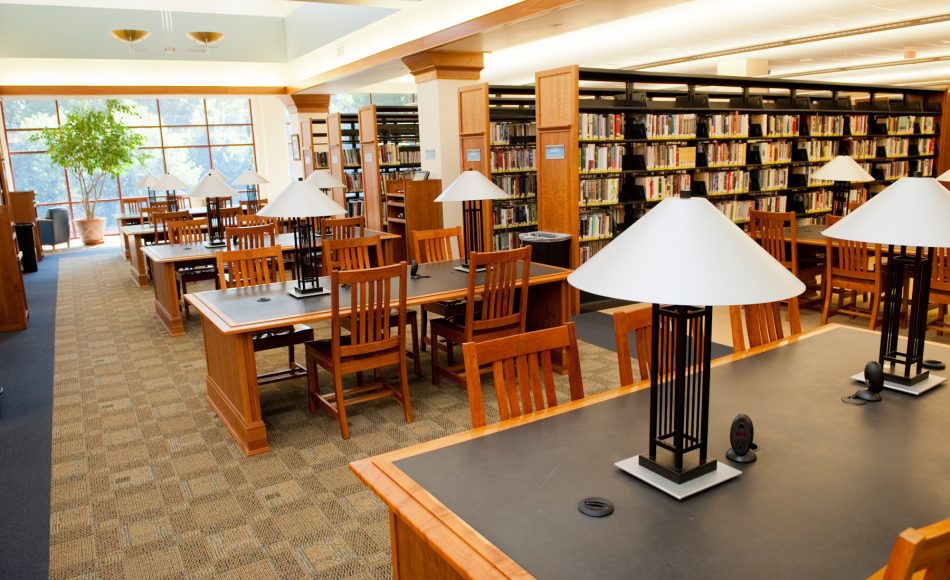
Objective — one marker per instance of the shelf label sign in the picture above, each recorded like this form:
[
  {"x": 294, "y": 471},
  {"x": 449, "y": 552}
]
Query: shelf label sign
[
  {"x": 473, "y": 154},
  {"x": 430, "y": 154},
  {"x": 369, "y": 157},
  {"x": 554, "y": 151},
  {"x": 336, "y": 159}
]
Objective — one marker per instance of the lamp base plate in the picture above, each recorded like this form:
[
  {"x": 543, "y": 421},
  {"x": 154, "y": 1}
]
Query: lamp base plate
[
  {"x": 721, "y": 474},
  {"x": 466, "y": 269},
  {"x": 220, "y": 244},
  {"x": 915, "y": 389},
  {"x": 293, "y": 291}
]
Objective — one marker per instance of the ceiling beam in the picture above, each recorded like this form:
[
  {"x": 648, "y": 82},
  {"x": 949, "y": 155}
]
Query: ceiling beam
[
  {"x": 895, "y": 25},
  {"x": 398, "y": 4},
  {"x": 870, "y": 65},
  {"x": 121, "y": 91}
]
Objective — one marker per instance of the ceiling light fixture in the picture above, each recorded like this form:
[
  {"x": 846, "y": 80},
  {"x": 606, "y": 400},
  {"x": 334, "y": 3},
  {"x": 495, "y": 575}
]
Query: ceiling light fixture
[
  {"x": 806, "y": 60},
  {"x": 207, "y": 39},
  {"x": 129, "y": 36}
]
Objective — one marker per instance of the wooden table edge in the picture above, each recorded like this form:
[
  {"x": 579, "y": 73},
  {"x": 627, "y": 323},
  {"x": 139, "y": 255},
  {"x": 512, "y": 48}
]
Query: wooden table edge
[{"x": 426, "y": 515}]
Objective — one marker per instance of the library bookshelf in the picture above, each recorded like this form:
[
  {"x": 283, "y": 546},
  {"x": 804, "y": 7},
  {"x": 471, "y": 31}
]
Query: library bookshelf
[
  {"x": 496, "y": 136},
  {"x": 604, "y": 158},
  {"x": 389, "y": 141},
  {"x": 319, "y": 142},
  {"x": 343, "y": 145},
  {"x": 410, "y": 206}
]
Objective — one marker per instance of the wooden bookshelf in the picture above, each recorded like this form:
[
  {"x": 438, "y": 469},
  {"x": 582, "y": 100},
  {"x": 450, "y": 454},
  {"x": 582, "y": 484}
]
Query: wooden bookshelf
[
  {"x": 606, "y": 157},
  {"x": 13, "y": 306},
  {"x": 389, "y": 139},
  {"x": 343, "y": 146},
  {"x": 497, "y": 126},
  {"x": 319, "y": 142},
  {"x": 410, "y": 206}
]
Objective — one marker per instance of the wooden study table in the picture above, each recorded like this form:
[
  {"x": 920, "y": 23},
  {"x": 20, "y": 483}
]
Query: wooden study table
[
  {"x": 230, "y": 318},
  {"x": 131, "y": 219},
  {"x": 833, "y": 485},
  {"x": 165, "y": 258},
  {"x": 808, "y": 235}
]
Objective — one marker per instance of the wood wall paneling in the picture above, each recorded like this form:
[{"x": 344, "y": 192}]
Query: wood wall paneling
[{"x": 369, "y": 158}]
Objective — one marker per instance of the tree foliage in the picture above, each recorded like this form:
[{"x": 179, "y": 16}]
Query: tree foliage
[{"x": 92, "y": 145}]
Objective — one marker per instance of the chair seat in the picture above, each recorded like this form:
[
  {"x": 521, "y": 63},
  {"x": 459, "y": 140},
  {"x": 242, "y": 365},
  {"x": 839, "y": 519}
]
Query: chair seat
[
  {"x": 285, "y": 336},
  {"x": 321, "y": 350},
  {"x": 446, "y": 308}
]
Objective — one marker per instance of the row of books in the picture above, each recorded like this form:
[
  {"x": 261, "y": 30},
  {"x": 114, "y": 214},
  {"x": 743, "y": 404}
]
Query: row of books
[
  {"x": 353, "y": 181},
  {"x": 773, "y": 203},
  {"x": 351, "y": 156},
  {"x": 858, "y": 124},
  {"x": 724, "y": 182},
  {"x": 601, "y": 157},
  {"x": 393, "y": 154},
  {"x": 910, "y": 124},
  {"x": 807, "y": 170},
  {"x": 321, "y": 159},
  {"x": 773, "y": 151},
  {"x": 600, "y": 126},
  {"x": 587, "y": 250},
  {"x": 668, "y": 125},
  {"x": 597, "y": 223},
  {"x": 666, "y": 155},
  {"x": 772, "y": 178},
  {"x": 924, "y": 166},
  {"x": 386, "y": 176},
  {"x": 889, "y": 170},
  {"x": 602, "y": 190},
  {"x": 509, "y": 159},
  {"x": 502, "y": 132},
  {"x": 723, "y": 153},
  {"x": 510, "y": 215},
  {"x": 354, "y": 207},
  {"x": 517, "y": 184},
  {"x": 826, "y": 125},
  {"x": 728, "y": 125},
  {"x": 819, "y": 150},
  {"x": 660, "y": 186},
  {"x": 507, "y": 240},
  {"x": 777, "y": 125},
  {"x": 816, "y": 201},
  {"x": 737, "y": 210}
]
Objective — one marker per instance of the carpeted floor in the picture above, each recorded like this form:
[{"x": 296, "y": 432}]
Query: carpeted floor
[{"x": 146, "y": 482}]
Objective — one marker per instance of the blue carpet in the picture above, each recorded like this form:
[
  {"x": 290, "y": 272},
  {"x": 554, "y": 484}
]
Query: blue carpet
[
  {"x": 26, "y": 375},
  {"x": 597, "y": 328}
]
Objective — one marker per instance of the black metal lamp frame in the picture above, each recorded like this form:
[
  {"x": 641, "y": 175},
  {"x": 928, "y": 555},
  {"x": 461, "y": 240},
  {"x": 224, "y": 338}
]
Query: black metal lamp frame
[
  {"x": 903, "y": 268},
  {"x": 307, "y": 261},
  {"x": 679, "y": 391},
  {"x": 472, "y": 228},
  {"x": 216, "y": 238},
  {"x": 839, "y": 197},
  {"x": 252, "y": 198},
  {"x": 152, "y": 198},
  {"x": 172, "y": 199}
]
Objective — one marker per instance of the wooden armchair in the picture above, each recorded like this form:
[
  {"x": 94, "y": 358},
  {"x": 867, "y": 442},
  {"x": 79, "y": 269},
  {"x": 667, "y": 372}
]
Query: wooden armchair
[
  {"x": 500, "y": 312},
  {"x": 362, "y": 254},
  {"x": 639, "y": 321},
  {"x": 250, "y": 237},
  {"x": 190, "y": 231},
  {"x": 134, "y": 204},
  {"x": 763, "y": 323},
  {"x": 436, "y": 246},
  {"x": 768, "y": 229},
  {"x": 373, "y": 342},
  {"x": 340, "y": 228},
  {"x": 854, "y": 267},
  {"x": 522, "y": 371},
  {"x": 159, "y": 221},
  {"x": 922, "y": 553},
  {"x": 939, "y": 287},
  {"x": 255, "y": 220},
  {"x": 229, "y": 216},
  {"x": 264, "y": 266}
]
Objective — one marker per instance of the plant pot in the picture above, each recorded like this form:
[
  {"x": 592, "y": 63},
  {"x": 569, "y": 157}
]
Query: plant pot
[{"x": 92, "y": 231}]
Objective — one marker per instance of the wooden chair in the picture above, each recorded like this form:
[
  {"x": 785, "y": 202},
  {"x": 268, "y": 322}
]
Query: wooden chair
[
  {"x": 639, "y": 321},
  {"x": 190, "y": 231},
  {"x": 436, "y": 246},
  {"x": 763, "y": 323},
  {"x": 255, "y": 220},
  {"x": 855, "y": 267},
  {"x": 252, "y": 268},
  {"x": 373, "y": 342},
  {"x": 768, "y": 229},
  {"x": 939, "y": 287},
  {"x": 362, "y": 254},
  {"x": 159, "y": 221},
  {"x": 250, "y": 237},
  {"x": 134, "y": 204},
  {"x": 147, "y": 211},
  {"x": 922, "y": 553},
  {"x": 229, "y": 216},
  {"x": 340, "y": 228},
  {"x": 184, "y": 202},
  {"x": 250, "y": 207},
  {"x": 501, "y": 310},
  {"x": 522, "y": 371}
]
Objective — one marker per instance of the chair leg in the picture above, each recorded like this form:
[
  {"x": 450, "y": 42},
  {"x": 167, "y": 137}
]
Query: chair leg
[
  {"x": 340, "y": 405},
  {"x": 875, "y": 307},
  {"x": 404, "y": 387},
  {"x": 425, "y": 324},
  {"x": 435, "y": 358},
  {"x": 291, "y": 363},
  {"x": 183, "y": 289},
  {"x": 827, "y": 306},
  {"x": 450, "y": 353},
  {"x": 313, "y": 383},
  {"x": 416, "y": 355}
]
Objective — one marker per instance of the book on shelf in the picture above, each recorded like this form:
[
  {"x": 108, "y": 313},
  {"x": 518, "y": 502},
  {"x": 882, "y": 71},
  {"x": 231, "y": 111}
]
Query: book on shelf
[
  {"x": 858, "y": 124},
  {"x": 890, "y": 170},
  {"x": 596, "y": 224},
  {"x": 925, "y": 167},
  {"x": 724, "y": 182},
  {"x": 926, "y": 125},
  {"x": 667, "y": 125},
  {"x": 926, "y": 146},
  {"x": 351, "y": 156},
  {"x": 588, "y": 249},
  {"x": 777, "y": 203},
  {"x": 776, "y": 125},
  {"x": 386, "y": 176},
  {"x": 863, "y": 149},
  {"x": 771, "y": 152},
  {"x": 601, "y": 157},
  {"x": 801, "y": 177},
  {"x": 893, "y": 146},
  {"x": 825, "y": 125},
  {"x": 517, "y": 184},
  {"x": 354, "y": 207},
  {"x": 512, "y": 215},
  {"x": 321, "y": 159},
  {"x": 508, "y": 240},
  {"x": 399, "y": 154},
  {"x": 599, "y": 191},
  {"x": 822, "y": 150},
  {"x": 723, "y": 153},
  {"x": 736, "y": 210},
  {"x": 727, "y": 125},
  {"x": 600, "y": 126},
  {"x": 814, "y": 201},
  {"x": 505, "y": 132},
  {"x": 901, "y": 125},
  {"x": 665, "y": 155},
  {"x": 769, "y": 179},
  {"x": 659, "y": 186},
  {"x": 512, "y": 159},
  {"x": 353, "y": 181}
]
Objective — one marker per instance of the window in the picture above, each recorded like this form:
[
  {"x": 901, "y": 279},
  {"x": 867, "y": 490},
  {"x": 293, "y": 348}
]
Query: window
[{"x": 185, "y": 137}]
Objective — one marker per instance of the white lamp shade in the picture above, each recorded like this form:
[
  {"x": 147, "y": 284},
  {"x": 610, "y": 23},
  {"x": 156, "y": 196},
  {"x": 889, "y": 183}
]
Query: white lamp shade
[
  {"x": 945, "y": 176},
  {"x": 471, "y": 186},
  {"x": 914, "y": 211},
  {"x": 324, "y": 180},
  {"x": 217, "y": 173},
  {"x": 169, "y": 182},
  {"x": 147, "y": 182},
  {"x": 300, "y": 200},
  {"x": 842, "y": 168},
  {"x": 686, "y": 252},
  {"x": 249, "y": 177},
  {"x": 211, "y": 186}
]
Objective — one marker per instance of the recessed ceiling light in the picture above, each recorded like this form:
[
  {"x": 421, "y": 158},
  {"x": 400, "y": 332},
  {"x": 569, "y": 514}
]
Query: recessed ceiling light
[
  {"x": 807, "y": 60},
  {"x": 945, "y": 41}
]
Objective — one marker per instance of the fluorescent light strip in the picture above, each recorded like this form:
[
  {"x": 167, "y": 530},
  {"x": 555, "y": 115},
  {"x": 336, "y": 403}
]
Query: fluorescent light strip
[
  {"x": 902, "y": 62},
  {"x": 800, "y": 40}
]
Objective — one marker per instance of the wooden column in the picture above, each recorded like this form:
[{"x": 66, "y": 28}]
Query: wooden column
[
  {"x": 474, "y": 143},
  {"x": 369, "y": 160},
  {"x": 305, "y": 107}
]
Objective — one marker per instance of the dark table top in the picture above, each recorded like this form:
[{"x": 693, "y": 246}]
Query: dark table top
[
  {"x": 808, "y": 234},
  {"x": 241, "y": 310},
  {"x": 833, "y": 486},
  {"x": 195, "y": 211}
]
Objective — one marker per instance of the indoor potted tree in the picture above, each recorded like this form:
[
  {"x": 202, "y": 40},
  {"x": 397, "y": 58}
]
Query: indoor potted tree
[{"x": 92, "y": 144}]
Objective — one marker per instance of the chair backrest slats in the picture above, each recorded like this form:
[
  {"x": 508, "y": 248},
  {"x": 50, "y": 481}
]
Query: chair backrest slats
[
  {"x": 229, "y": 216},
  {"x": 768, "y": 229},
  {"x": 133, "y": 204},
  {"x": 851, "y": 259},
  {"x": 370, "y": 306},
  {"x": 763, "y": 323},
  {"x": 504, "y": 296},
  {"x": 351, "y": 253},
  {"x": 940, "y": 269},
  {"x": 341, "y": 228},
  {"x": 639, "y": 321},
  {"x": 187, "y": 231},
  {"x": 255, "y": 220},
  {"x": 160, "y": 221},
  {"x": 920, "y": 553},
  {"x": 250, "y": 237},
  {"x": 242, "y": 268},
  {"x": 436, "y": 245}
]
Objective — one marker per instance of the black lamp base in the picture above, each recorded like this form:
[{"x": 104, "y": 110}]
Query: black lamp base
[
  {"x": 907, "y": 381},
  {"x": 915, "y": 389},
  {"x": 215, "y": 244},
  {"x": 297, "y": 292},
  {"x": 720, "y": 474},
  {"x": 678, "y": 477}
]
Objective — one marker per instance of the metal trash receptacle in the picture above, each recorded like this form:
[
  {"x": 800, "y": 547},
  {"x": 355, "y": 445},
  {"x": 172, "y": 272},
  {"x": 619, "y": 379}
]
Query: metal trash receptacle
[{"x": 551, "y": 248}]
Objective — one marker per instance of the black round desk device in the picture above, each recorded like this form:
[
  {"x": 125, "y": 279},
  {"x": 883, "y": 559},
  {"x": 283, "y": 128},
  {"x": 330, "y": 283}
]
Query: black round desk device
[
  {"x": 595, "y": 507},
  {"x": 740, "y": 437},
  {"x": 874, "y": 377},
  {"x": 414, "y": 271},
  {"x": 933, "y": 364}
]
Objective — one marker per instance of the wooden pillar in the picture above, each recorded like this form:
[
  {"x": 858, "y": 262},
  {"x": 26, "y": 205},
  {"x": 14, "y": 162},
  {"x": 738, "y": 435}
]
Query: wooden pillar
[
  {"x": 439, "y": 75},
  {"x": 309, "y": 114}
]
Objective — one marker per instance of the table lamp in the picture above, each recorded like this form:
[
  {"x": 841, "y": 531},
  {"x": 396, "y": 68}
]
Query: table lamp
[
  {"x": 251, "y": 179},
  {"x": 148, "y": 182},
  {"x": 217, "y": 173},
  {"x": 301, "y": 200},
  {"x": 685, "y": 257},
  {"x": 842, "y": 170},
  {"x": 170, "y": 183},
  {"x": 911, "y": 213},
  {"x": 471, "y": 188},
  {"x": 213, "y": 189}
]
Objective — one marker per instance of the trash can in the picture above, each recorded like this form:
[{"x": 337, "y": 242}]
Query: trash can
[
  {"x": 549, "y": 248},
  {"x": 24, "y": 236}
]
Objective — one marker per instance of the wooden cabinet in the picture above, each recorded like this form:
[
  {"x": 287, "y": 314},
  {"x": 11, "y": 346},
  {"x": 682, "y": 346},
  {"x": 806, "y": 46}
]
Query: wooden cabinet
[
  {"x": 410, "y": 206},
  {"x": 13, "y": 307},
  {"x": 23, "y": 206}
]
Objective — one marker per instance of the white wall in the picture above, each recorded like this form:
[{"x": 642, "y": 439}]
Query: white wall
[
  {"x": 439, "y": 135},
  {"x": 270, "y": 140}
]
